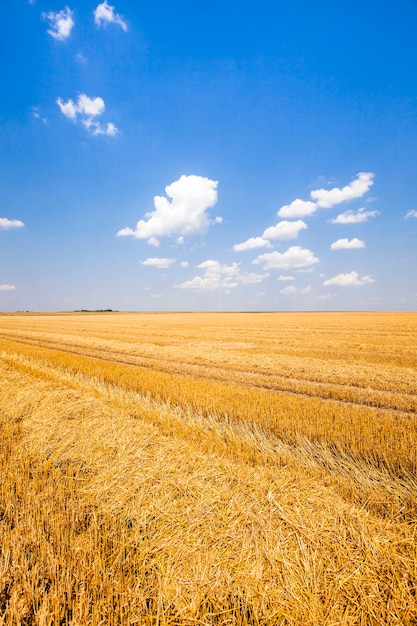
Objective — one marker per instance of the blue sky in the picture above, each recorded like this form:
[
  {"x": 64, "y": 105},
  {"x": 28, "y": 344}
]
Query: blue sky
[{"x": 208, "y": 155}]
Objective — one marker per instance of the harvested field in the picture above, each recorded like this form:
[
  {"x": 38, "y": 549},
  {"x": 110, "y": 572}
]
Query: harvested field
[{"x": 208, "y": 469}]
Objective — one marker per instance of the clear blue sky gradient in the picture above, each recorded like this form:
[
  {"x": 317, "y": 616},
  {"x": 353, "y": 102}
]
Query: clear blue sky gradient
[{"x": 272, "y": 100}]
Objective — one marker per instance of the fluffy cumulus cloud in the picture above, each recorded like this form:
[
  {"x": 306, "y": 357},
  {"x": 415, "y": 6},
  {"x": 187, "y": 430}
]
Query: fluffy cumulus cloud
[
  {"x": 285, "y": 230},
  {"x": 215, "y": 276},
  {"x": 346, "y": 244},
  {"x": 411, "y": 213},
  {"x": 6, "y": 224},
  {"x": 218, "y": 276},
  {"x": 105, "y": 14},
  {"x": 7, "y": 288},
  {"x": 251, "y": 244},
  {"x": 294, "y": 258},
  {"x": 353, "y": 217},
  {"x": 298, "y": 208},
  {"x": 327, "y": 198},
  {"x": 160, "y": 263},
  {"x": 86, "y": 110},
  {"x": 184, "y": 264},
  {"x": 348, "y": 280},
  {"x": 183, "y": 213},
  {"x": 60, "y": 22},
  {"x": 285, "y": 278}
]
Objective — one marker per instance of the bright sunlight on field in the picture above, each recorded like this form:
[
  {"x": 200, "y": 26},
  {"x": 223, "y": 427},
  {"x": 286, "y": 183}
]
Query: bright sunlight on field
[{"x": 208, "y": 469}]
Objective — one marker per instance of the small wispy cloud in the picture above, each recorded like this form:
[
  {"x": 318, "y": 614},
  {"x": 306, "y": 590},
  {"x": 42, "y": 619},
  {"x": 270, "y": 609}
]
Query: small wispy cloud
[
  {"x": 61, "y": 23},
  {"x": 287, "y": 291},
  {"x": 412, "y": 213},
  {"x": 80, "y": 57},
  {"x": 353, "y": 217},
  {"x": 326, "y": 296},
  {"x": 346, "y": 244},
  {"x": 292, "y": 290},
  {"x": 105, "y": 14},
  {"x": 8, "y": 288},
  {"x": 349, "y": 280},
  {"x": 6, "y": 224},
  {"x": 86, "y": 110},
  {"x": 160, "y": 263},
  {"x": 95, "y": 128},
  {"x": 286, "y": 278},
  {"x": 37, "y": 115},
  {"x": 251, "y": 278}
]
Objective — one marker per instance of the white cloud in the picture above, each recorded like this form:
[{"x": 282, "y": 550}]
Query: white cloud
[
  {"x": 327, "y": 198},
  {"x": 87, "y": 109},
  {"x": 349, "y": 280},
  {"x": 218, "y": 276},
  {"x": 6, "y": 224},
  {"x": 293, "y": 258},
  {"x": 69, "y": 109},
  {"x": 104, "y": 14},
  {"x": 95, "y": 128},
  {"x": 298, "y": 208},
  {"x": 251, "y": 244},
  {"x": 345, "y": 244},
  {"x": 85, "y": 106},
  {"x": 326, "y": 296},
  {"x": 285, "y": 230},
  {"x": 353, "y": 217},
  {"x": 411, "y": 213},
  {"x": 252, "y": 278},
  {"x": 7, "y": 288},
  {"x": 291, "y": 289},
  {"x": 184, "y": 264},
  {"x": 215, "y": 266},
  {"x": 91, "y": 107},
  {"x": 37, "y": 115},
  {"x": 185, "y": 214},
  {"x": 286, "y": 278},
  {"x": 215, "y": 276},
  {"x": 160, "y": 263},
  {"x": 61, "y": 23}
]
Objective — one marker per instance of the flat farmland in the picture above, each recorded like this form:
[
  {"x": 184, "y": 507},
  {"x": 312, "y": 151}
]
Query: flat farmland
[{"x": 208, "y": 468}]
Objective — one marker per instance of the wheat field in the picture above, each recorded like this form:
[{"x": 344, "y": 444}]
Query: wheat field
[{"x": 200, "y": 469}]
